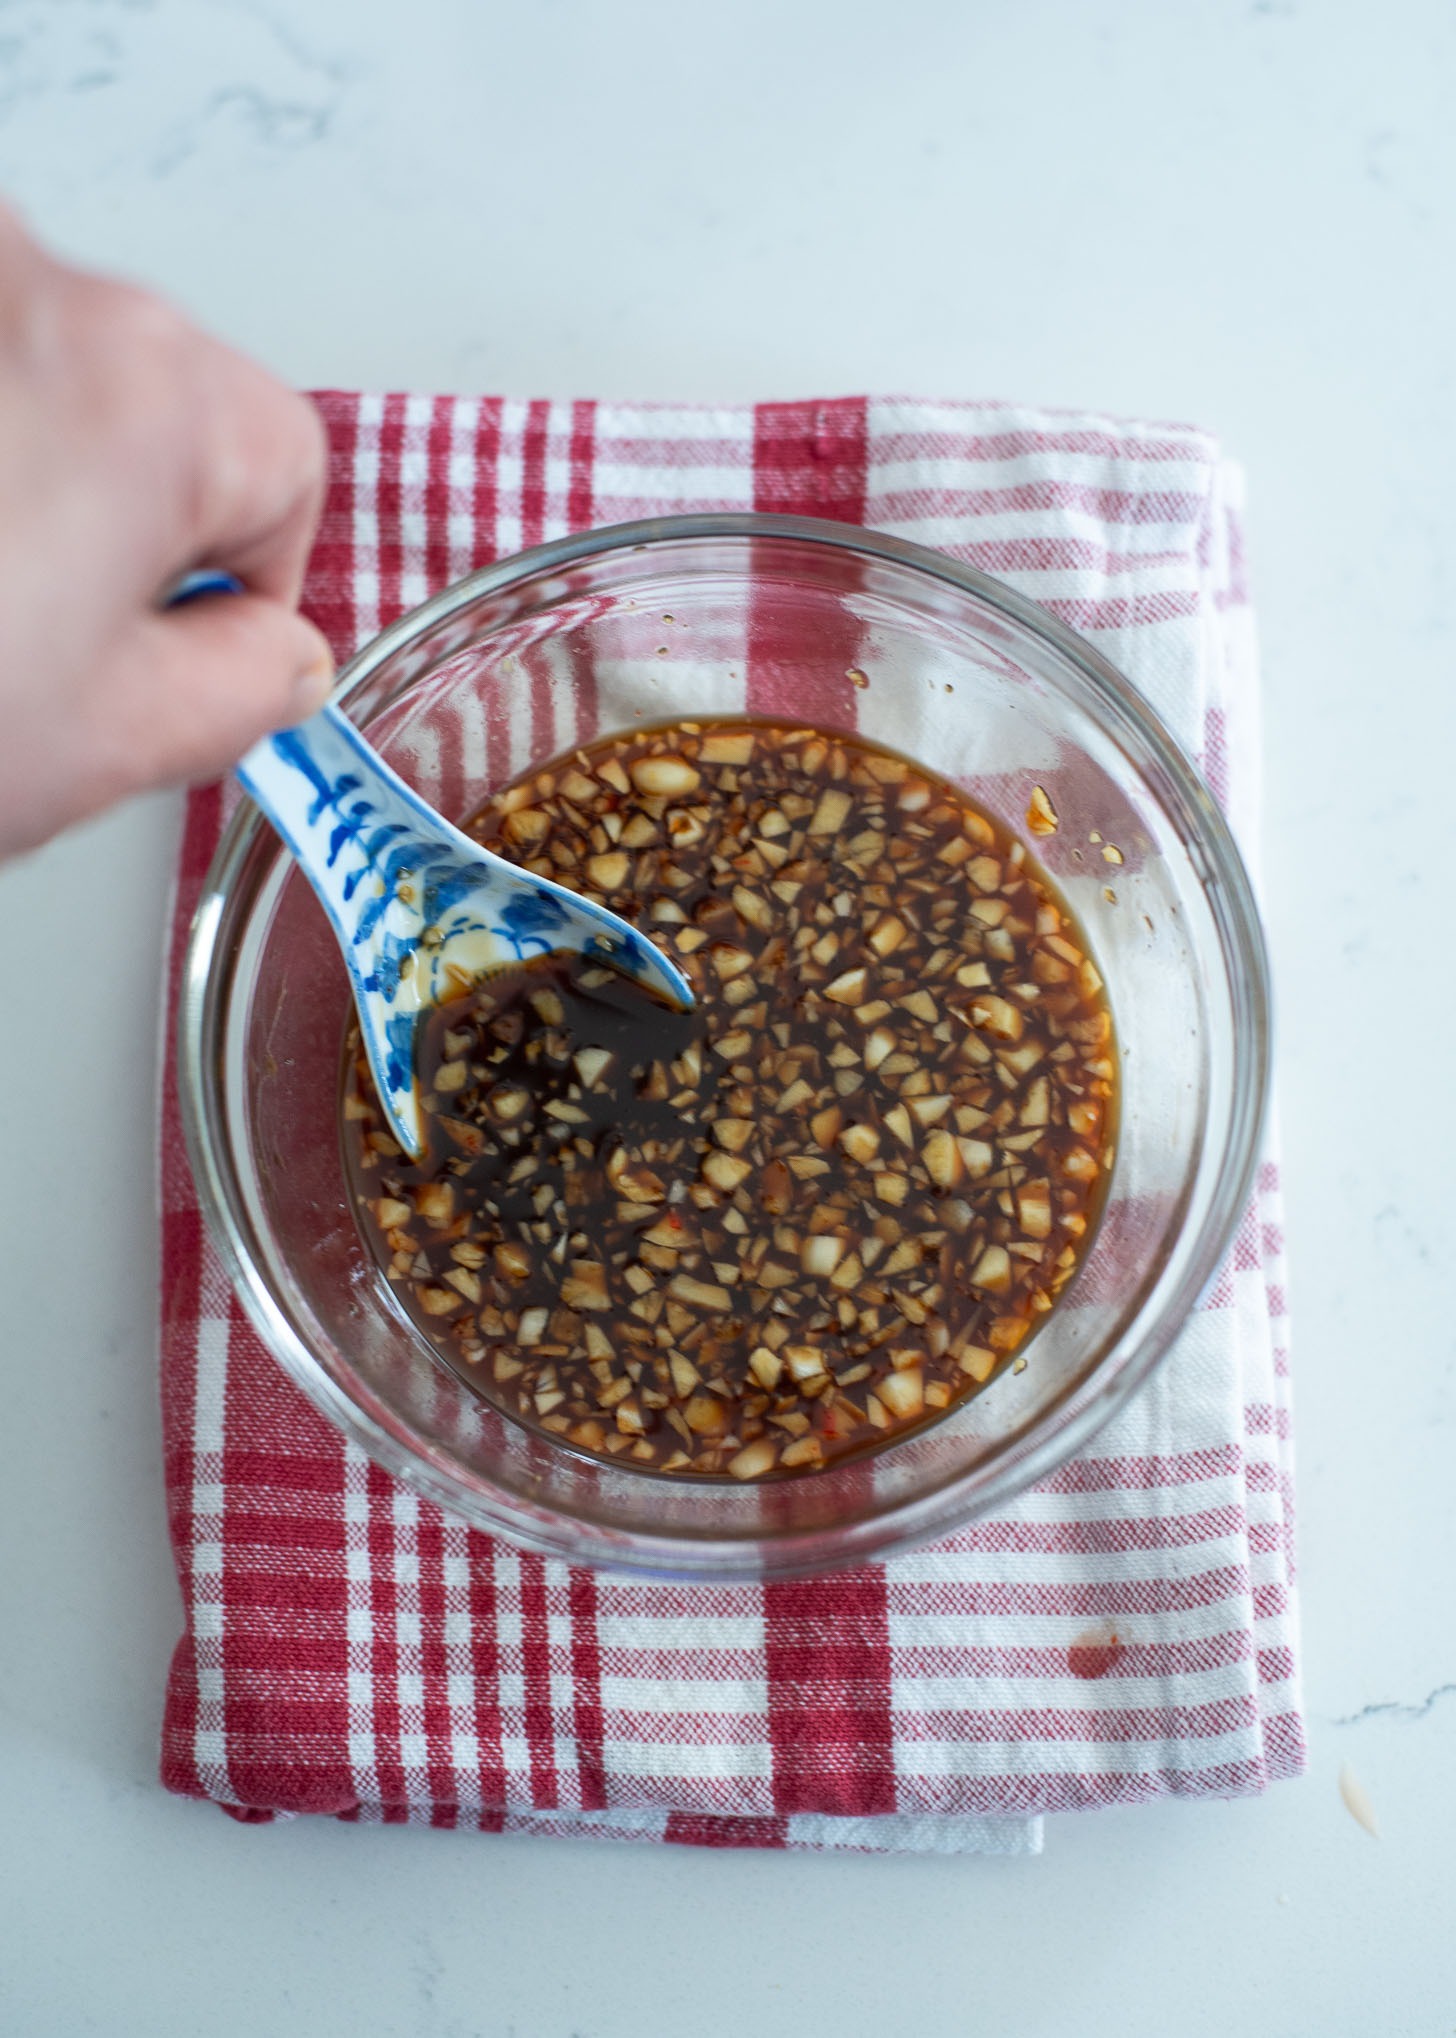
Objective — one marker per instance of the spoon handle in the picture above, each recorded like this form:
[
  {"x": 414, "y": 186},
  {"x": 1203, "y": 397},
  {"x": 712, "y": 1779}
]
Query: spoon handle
[
  {"x": 332, "y": 798},
  {"x": 346, "y": 817}
]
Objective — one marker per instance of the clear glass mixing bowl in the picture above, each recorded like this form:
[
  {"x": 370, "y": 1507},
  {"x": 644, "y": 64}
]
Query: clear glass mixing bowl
[{"x": 668, "y": 616}]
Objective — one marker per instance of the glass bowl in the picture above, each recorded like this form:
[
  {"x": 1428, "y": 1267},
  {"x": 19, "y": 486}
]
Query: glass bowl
[{"x": 715, "y": 614}]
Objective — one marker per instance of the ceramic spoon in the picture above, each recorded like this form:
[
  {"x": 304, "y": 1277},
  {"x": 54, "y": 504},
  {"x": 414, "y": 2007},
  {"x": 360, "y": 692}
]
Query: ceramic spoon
[{"x": 415, "y": 905}]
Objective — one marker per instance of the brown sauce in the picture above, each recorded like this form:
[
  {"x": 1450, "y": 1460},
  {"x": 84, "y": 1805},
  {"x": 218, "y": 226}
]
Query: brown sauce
[{"x": 815, "y": 1212}]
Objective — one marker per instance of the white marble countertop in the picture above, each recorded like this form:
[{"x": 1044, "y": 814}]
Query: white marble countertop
[{"x": 1236, "y": 211}]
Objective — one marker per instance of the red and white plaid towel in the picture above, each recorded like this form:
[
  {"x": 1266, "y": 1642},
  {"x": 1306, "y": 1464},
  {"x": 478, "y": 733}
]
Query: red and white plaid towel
[{"x": 1126, "y": 1631}]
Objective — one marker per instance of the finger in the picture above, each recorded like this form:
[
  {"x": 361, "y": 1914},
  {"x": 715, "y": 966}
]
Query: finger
[
  {"x": 189, "y": 691},
  {"x": 260, "y": 479},
  {"x": 235, "y": 460}
]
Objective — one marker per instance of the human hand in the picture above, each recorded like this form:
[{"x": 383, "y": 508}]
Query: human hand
[{"x": 132, "y": 448}]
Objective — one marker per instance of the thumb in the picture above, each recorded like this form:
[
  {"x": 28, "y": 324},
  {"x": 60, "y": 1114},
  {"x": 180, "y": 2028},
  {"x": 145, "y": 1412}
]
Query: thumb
[{"x": 194, "y": 686}]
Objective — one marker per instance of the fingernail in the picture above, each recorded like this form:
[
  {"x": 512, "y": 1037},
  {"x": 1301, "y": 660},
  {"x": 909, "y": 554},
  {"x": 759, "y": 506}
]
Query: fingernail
[{"x": 313, "y": 685}]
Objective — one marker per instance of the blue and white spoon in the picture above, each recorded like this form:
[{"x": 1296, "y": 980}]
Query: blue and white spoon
[{"x": 414, "y": 904}]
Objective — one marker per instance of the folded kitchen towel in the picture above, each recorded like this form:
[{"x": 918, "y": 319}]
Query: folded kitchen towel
[{"x": 1125, "y": 1631}]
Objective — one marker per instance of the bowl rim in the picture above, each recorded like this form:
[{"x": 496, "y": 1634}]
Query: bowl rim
[{"x": 366, "y": 1420}]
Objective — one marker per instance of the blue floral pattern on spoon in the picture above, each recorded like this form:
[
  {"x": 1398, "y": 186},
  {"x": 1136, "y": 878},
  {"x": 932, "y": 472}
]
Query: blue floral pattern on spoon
[{"x": 415, "y": 904}]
